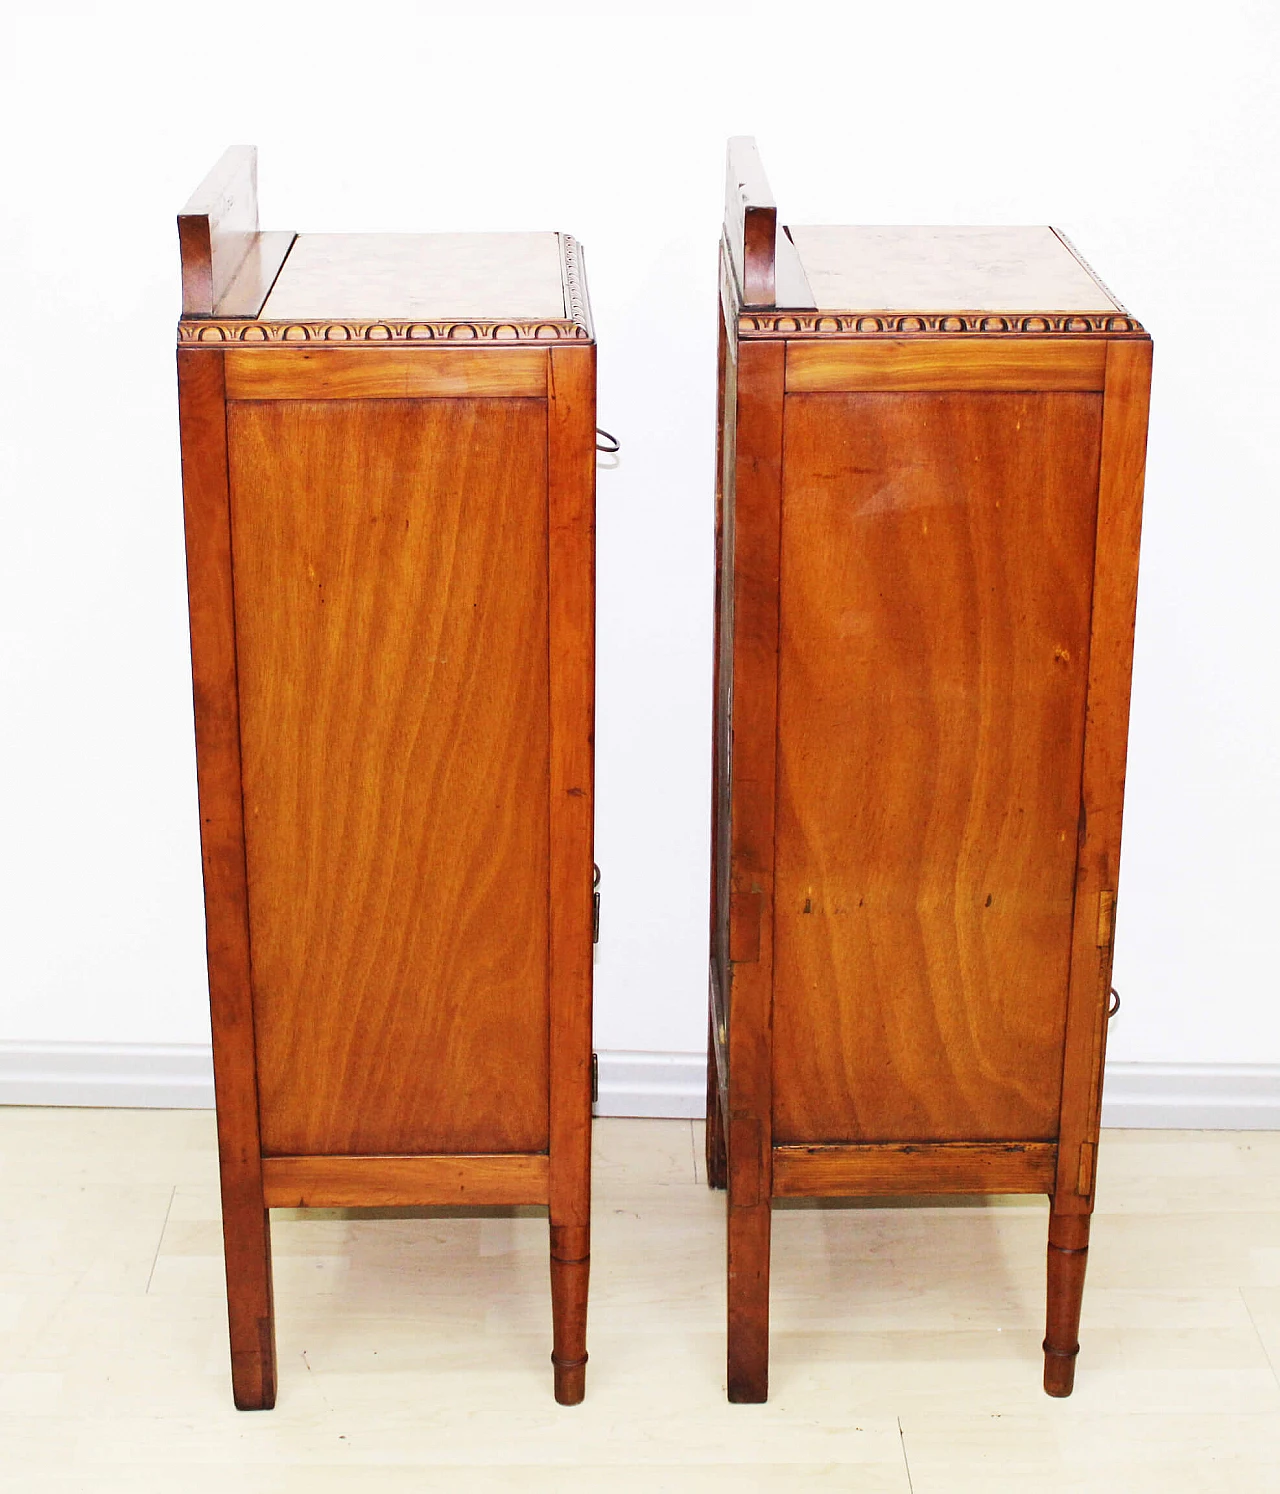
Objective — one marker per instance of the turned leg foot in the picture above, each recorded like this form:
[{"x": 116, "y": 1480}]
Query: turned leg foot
[
  {"x": 246, "y": 1234},
  {"x": 570, "y": 1269},
  {"x": 1068, "y": 1256}
]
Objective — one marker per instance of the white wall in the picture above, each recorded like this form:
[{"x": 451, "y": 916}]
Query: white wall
[{"x": 1151, "y": 140}]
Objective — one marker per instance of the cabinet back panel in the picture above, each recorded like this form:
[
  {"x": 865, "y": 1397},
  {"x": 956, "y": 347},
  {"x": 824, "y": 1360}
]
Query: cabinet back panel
[
  {"x": 936, "y": 572},
  {"x": 391, "y": 632}
]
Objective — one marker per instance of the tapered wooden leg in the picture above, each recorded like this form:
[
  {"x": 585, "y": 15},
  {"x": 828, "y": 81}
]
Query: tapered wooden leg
[
  {"x": 1068, "y": 1256},
  {"x": 246, "y": 1236},
  {"x": 570, "y": 1269},
  {"x": 716, "y": 1163},
  {"x": 749, "y": 1231}
]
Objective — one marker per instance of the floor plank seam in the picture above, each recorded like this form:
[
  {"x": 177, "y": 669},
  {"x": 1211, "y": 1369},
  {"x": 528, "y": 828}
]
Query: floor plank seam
[
  {"x": 173, "y": 1192},
  {"x": 1262, "y": 1343},
  {"x": 906, "y": 1462}
]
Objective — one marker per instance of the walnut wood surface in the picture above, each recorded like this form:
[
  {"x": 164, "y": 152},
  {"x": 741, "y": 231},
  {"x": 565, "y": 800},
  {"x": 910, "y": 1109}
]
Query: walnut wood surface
[
  {"x": 937, "y": 551},
  {"x": 391, "y": 621},
  {"x": 245, "y": 1223},
  {"x": 940, "y": 364},
  {"x": 886, "y": 1168},
  {"x": 393, "y": 373},
  {"x": 375, "y": 1182}
]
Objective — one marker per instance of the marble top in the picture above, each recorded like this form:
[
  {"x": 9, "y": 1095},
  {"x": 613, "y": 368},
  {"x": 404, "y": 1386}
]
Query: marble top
[
  {"x": 431, "y": 276},
  {"x": 945, "y": 269}
]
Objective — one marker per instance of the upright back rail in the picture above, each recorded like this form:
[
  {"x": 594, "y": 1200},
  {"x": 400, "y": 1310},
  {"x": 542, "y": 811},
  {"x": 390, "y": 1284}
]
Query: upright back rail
[
  {"x": 217, "y": 228},
  {"x": 228, "y": 266},
  {"x": 750, "y": 223},
  {"x": 764, "y": 259}
]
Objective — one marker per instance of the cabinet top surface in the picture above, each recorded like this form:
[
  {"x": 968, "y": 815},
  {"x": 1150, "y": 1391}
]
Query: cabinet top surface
[
  {"x": 431, "y": 276},
  {"x": 945, "y": 269}
]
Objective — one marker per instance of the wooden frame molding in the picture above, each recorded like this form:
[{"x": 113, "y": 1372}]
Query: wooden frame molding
[
  {"x": 926, "y": 365},
  {"x": 895, "y": 1167},
  {"x": 397, "y": 373},
  {"x": 385, "y": 1182}
]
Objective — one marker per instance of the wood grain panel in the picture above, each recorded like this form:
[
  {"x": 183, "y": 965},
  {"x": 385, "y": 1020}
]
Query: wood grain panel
[
  {"x": 391, "y": 613},
  {"x": 888, "y": 1168},
  {"x": 390, "y": 1182},
  {"x": 937, "y": 556},
  {"x": 387, "y": 373},
  {"x": 923, "y": 365}
]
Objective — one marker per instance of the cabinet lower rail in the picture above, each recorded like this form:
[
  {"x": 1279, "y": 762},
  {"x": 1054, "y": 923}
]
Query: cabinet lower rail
[
  {"x": 864, "y": 1169},
  {"x": 389, "y": 1182}
]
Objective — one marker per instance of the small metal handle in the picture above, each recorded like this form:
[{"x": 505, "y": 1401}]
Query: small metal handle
[
  {"x": 1115, "y": 1004},
  {"x": 595, "y": 903},
  {"x": 613, "y": 444}
]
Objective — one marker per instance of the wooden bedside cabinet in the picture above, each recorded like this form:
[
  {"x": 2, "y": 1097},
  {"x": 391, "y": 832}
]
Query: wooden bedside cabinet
[
  {"x": 389, "y": 478},
  {"x": 932, "y": 447}
]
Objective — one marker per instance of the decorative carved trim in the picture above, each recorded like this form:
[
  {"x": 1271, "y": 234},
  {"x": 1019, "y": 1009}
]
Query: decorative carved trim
[
  {"x": 939, "y": 323},
  {"x": 576, "y": 306},
  {"x": 221, "y": 332}
]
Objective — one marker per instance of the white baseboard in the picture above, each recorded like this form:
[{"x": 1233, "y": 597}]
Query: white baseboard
[
  {"x": 657, "y": 1084},
  {"x": 140, "y": 1076},
  {"x": 173, "y": 1076},
  {"x": 1193, "y": 1096}
]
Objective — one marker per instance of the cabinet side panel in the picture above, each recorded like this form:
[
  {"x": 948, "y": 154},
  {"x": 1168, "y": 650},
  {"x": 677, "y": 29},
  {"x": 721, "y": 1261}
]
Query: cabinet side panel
[
  {"x": 937, "y": 559},
  {"x": 391, "y": 611}
]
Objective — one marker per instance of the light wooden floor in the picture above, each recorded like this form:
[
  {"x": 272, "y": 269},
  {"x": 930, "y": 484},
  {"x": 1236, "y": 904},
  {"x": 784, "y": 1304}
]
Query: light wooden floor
[{"x": 413, "y": 1351}]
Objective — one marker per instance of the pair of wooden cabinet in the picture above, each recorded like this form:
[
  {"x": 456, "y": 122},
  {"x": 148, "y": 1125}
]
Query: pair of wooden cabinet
[
  {"x": 932, "y": 445},
  {"x": 389, "y": 474},
  {"x": 930, "y": 480}
]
